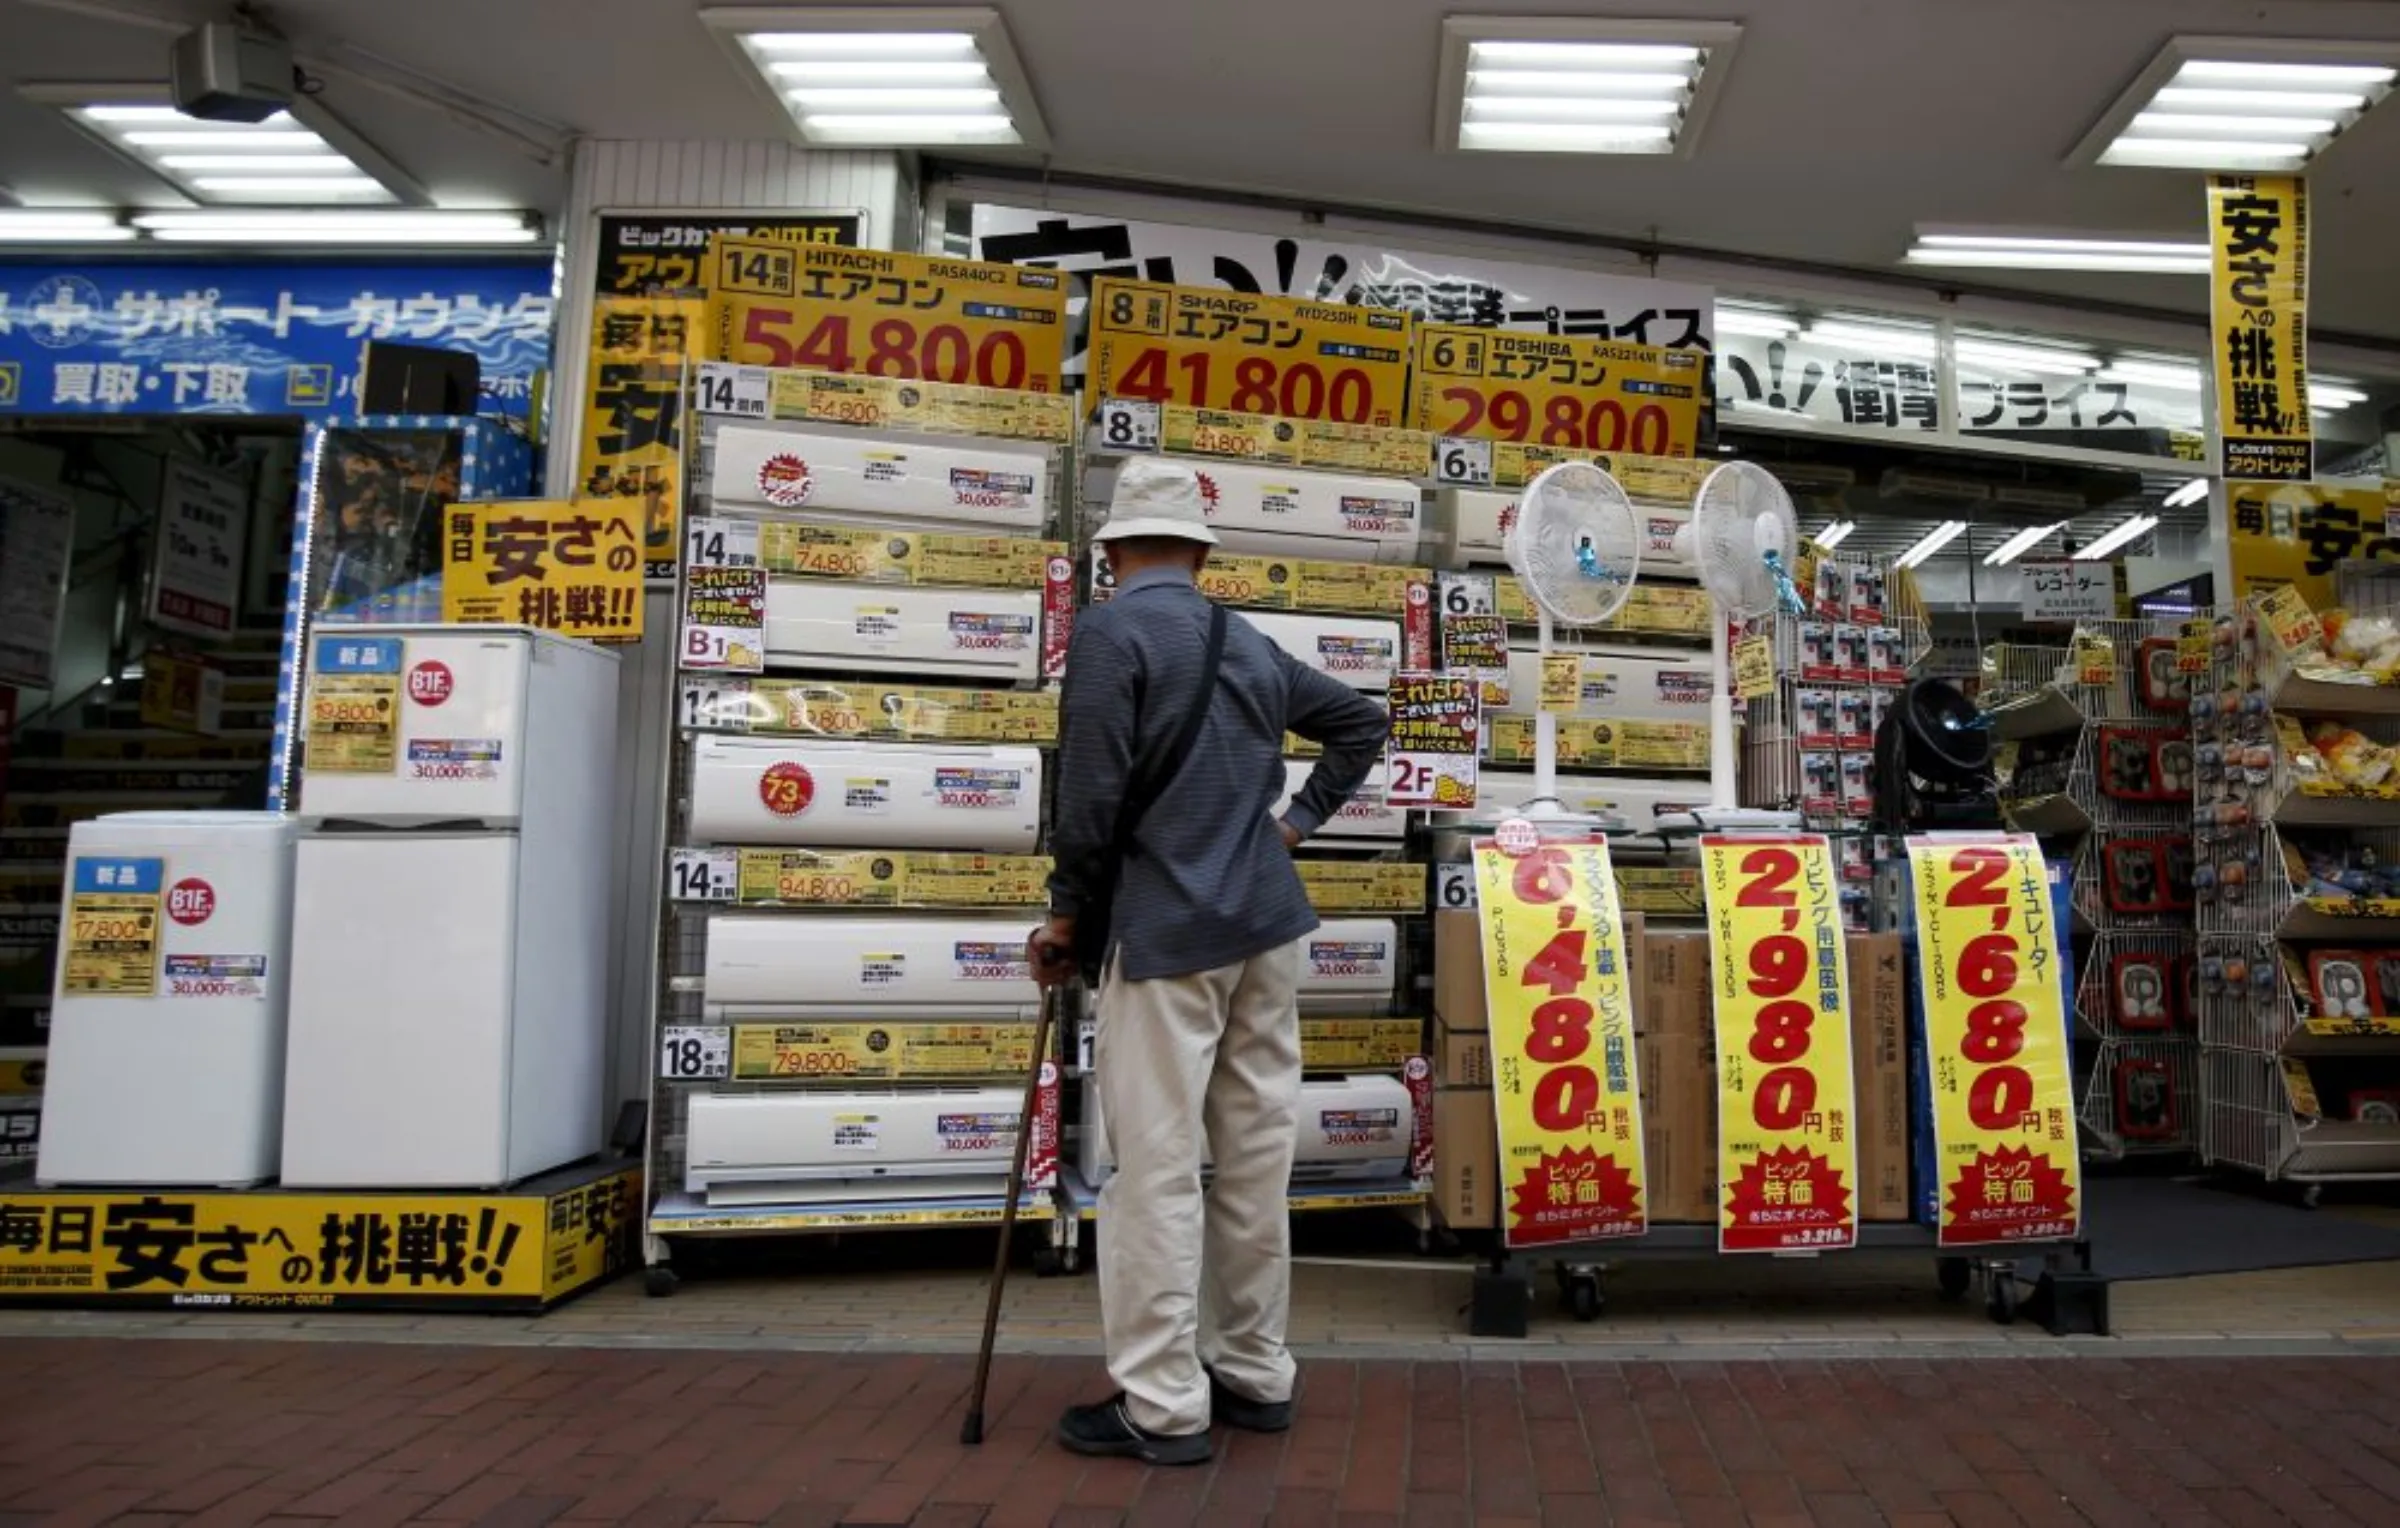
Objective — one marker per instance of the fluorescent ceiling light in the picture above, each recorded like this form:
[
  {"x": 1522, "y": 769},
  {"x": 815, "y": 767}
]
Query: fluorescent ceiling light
[
  {"x": 2011, "y": 355},
  {"x": 2337, "y": 394},
  {"x": 2022, "y": 542},
  {"x": 1762, "y": 323},
  {"x": 1936, "y": 539},
  {"x": 887, "y": 77},
  {"x": 2003, "y": 251},
  {"x": 60, "y": 225},
  {"x": 281, "y": 161},
  {"x": 1578, "y": 86},
  {"x": 2139, "y": 525},
  {"x": 406, "y": 226},
  {"x": 2216, "y": 103},
  {"x": 1834, "y": 534},
  {"x": 1879, "y": 339},
  {"x": 2191, "y": 492}
]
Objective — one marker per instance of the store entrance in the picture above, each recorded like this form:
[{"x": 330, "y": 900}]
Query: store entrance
[{"x": 162, "y": 692}]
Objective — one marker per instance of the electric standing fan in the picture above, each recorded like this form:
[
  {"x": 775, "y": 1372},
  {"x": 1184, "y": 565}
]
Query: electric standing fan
[
  {"x": 1576, "y": 549},
  {"x": 1742, "y": 540}
]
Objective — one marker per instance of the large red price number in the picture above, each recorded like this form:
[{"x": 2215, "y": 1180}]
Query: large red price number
[
  {"x": 1566, "y": 421},
  {"x": 1565, "y": 1095},
  {"x": 895, "y": 348},
  {"x": 1297, "y": 391},
  {"x": 1780, "y": 1032},
  {"x": 2001, "y": 1093}
]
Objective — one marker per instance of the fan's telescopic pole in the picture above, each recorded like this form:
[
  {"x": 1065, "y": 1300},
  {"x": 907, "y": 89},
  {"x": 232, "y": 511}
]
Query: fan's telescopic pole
[
  {"x": 1721, "y": 763},
  {"x": 1545, "y": 727}
]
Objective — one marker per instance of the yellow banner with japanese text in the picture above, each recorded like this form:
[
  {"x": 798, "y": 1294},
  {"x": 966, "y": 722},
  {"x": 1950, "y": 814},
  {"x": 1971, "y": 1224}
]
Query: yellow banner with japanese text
[
  {"x": 2300, "y": 533},
  {"x": 273, "y": 1250},
  {"x": 1564, "y": 1073},
  {"x": 1989, "y": 971},
  {"x": 1279, "y": 356},
  {"x": 1787, "y": 1153},
  {"x": 886, "y": 314},
  {"x": 1557, "y": 390},
  {"x": 2258, "y": 325},
  {"x": 565, "y": 565}
]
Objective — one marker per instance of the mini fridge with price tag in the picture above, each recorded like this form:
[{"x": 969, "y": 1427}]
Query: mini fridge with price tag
[{"x": 450, "y": 936}]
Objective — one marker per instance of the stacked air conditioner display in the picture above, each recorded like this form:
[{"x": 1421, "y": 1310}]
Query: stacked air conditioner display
[{"x": 847, "y": 1016}]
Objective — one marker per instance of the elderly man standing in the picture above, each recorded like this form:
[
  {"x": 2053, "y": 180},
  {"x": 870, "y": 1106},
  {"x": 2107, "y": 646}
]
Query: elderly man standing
[{"x": 1175, "y": 883}]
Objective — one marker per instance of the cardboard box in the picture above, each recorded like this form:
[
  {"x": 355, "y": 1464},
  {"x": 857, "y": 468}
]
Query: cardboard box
[
  {"x": 1466, "y": 1158},
  {"x": 1458, "y": 970},
  {"x": 1462, "y": 1058},
  {"x": 1679, "y": 1126},
  {"x": 1879, "y": 1065},
  {"x": 1675, "y": 984}
]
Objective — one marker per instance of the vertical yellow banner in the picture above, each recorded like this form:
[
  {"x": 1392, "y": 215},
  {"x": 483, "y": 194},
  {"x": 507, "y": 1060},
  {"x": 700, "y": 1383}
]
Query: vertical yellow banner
[
  {"x": 1988, "y": 967},
  {"x": 1787, "y": 1156},
  {"x": 1563, "y": 1069},
  {"x": 2258, "y": 325}
]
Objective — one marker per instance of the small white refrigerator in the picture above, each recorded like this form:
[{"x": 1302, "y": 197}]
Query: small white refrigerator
[
  {"x": 450, "y": 932},
  {"x": 165, "y": 1066}
]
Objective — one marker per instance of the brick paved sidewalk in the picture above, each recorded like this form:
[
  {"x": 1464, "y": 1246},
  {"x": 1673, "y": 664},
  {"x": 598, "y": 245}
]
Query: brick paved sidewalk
[{"x": 235, "y": 1431}]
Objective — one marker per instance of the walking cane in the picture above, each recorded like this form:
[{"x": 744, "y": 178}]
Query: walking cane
[{"x": 970, "y": 1432}]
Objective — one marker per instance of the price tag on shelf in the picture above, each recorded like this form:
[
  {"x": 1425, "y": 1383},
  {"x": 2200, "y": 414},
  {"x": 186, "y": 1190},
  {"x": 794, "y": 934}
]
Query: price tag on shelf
[
  {"x": 1128, "y": 424},
  {"x": 1453, "y": 888},
  {"x": 1436, "y": 727},
  {"x": 719, "y": 705},
  {"x": 1787, "y": 1156},
  {"x": 724, "y": 620},
  {"x": 1988, "y": 962},
  {"x": 1554, "y": 974},
  {"x": 723, "y": 543},
  {"x": 2290, "y": 621},
  {"x": 739, "y": 391},
  {"x": 1462, "y": 460},
  {"x": 1467, "y": 593},
  {"x": 703, "y": 875},
  {"x": 695, "y": 1052},
  {"x": 1753, "y": 668}
]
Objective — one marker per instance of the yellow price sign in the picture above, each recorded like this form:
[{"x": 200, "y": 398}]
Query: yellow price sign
[
  {"x": 2258, "y": 317},
  {"x": 1787, "y": 1151},
  {"x": 2095, "y": 659},
  {"x": 1251, "y": 354},
  {"x": 2293, "y": 625},
  {"x": 1989, "y": 968},
  {"x": 878, "y": 1052},
  {"x": 1753, "y": 668},
  {"x": 354, "y": 704},
  {"x": 1565, "y": 1079},
  {"x": 560, "y": 565},
  {"x": 886, "y": 314},
  {"x": 112, "y": 935},
  {"x": 1557, "y": 390}
]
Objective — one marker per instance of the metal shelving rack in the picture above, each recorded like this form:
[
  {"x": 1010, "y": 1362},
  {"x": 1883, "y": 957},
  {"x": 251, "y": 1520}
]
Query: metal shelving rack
[
  {"x": 2259, "y": 815},
  {"x": 705, "y": 881}
]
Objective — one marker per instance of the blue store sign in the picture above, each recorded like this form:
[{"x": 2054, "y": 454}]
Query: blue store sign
[{"x": 150, "y": 338}]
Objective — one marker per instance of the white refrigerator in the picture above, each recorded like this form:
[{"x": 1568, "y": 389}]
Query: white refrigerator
[
  {"x": 165, "y": 1066},
  {"x": 450, "y": 933}
]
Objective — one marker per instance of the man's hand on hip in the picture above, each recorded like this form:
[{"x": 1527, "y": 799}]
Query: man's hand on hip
[
  {"x": 1050, "y": 952},
  {"x": 1291, "y": 835}
]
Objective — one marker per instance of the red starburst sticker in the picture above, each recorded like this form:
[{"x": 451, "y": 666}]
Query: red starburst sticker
[
  {"x": 1789, "y": 1200},
  {"x": 784, "y": 481},
  {"x": 2008, "y": 1195},
  {"x": 191, "y": 901},
  {"x": 430, "y": 682},
  {"x": 1517, "y": 837},
  {"x": 1209, "y": 493},
  {"x": 1573, "y": 1195},
  {"x": 787, "y": 789}
]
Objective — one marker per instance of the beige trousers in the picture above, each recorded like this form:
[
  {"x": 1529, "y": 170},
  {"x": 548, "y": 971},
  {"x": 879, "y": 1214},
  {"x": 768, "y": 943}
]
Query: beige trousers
[{"x": 1188, "y": 1277}]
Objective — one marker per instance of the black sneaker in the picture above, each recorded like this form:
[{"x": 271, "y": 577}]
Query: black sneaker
[
  {"x": 1107, "y": 1429},
  {"x": 1237, "y": 1410}
]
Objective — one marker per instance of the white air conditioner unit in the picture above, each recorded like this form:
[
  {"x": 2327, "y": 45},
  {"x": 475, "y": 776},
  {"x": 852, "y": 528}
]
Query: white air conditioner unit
[
  {"x": 1349, "y": 966},
  {"x": 1626, "y": 684},
  {"x": 879, "y": 481},
  {"x": 1475, "y": 521},
  {"x": 1361, "y": 652},
  {"x": 823, "y": 795},
  {"x": 1620, "y": 801},
  {"x": 1351, "y": 1129},
  {"x": 1269, "y": 511},
  {"x": 1363, "y": 817},
  {"x": 988, "y": 634},
  {"x": 863, "y": 1143},
  {"x": 958, "y": 970}
]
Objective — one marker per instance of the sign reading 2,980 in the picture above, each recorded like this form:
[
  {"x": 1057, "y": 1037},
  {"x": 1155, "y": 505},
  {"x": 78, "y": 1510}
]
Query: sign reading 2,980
[
  {"x": 884, "y": 314},
  {"x": 1254, "y": 355}
]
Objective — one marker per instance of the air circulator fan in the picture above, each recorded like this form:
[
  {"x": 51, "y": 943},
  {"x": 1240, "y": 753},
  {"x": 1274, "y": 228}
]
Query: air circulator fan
[
  {"x": 1576, "y": 549},
  {"x": 1742, "y": 539}
]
